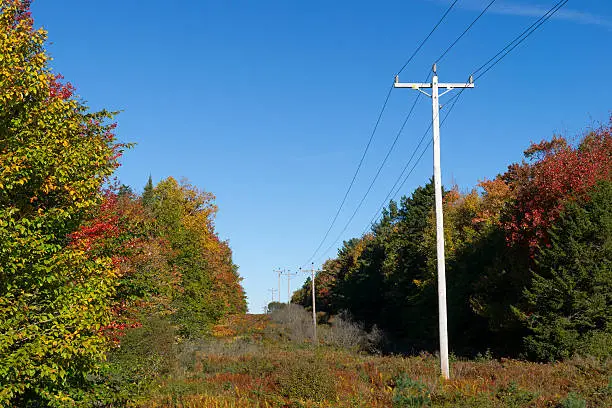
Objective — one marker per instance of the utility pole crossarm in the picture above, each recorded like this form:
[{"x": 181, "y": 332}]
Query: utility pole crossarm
[
  {"x": 413, "y": 85},
  {"x": 419, "y": 85}
]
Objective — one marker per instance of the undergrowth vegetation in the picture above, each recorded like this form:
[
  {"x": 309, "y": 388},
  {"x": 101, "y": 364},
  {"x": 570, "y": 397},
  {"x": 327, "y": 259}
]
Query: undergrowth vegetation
[{"x": 255, "y": 361}]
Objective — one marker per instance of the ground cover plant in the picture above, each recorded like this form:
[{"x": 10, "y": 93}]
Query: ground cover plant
[{"x": 247, "y": 364}]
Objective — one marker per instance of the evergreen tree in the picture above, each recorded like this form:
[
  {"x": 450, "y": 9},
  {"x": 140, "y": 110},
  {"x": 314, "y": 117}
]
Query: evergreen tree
[
  {"x": 410, "y": 280},
  {"x": 570, "y": 297},
  {"x": 147, "y": 194}
]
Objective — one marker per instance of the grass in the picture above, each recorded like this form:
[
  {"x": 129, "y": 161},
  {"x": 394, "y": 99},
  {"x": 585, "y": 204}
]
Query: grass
[{"x": 246, "y": 365}]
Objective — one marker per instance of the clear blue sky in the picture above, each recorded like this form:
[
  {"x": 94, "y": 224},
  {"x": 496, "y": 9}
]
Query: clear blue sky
[{"x": 269, "y": 104}]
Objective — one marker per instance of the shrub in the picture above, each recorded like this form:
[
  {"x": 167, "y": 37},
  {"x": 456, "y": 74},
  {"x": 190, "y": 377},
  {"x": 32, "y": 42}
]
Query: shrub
[
  {"x": 410, "y": 393},
  {"x": 346, "y": 333},
  {"x": 274, "y": 306},
  {"x": 573, "y": 401},
  {"x": 145, "y": 354},
  {"x": 512, "y": 395},
  {"x": 296, "y": 322},
  {"x": 306, "y": 378},
  {"x": 597, "y": 344}
]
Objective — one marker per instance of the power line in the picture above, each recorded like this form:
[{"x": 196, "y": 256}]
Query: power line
[
  {"x": 409, "y": 113},
  {"x": 374, "y": 131},
  {"x": 395, "y": 189},
  {"x": 348, "y": 190},
  {"x": 428, "y": 35},
  {"x": 519, "y": 39},
  {"x": 497, "y": 58},
  {"x": 465, "y": 31},
  {"x": 391, "y": 194},
  {"x": 414, "y": 152},
  {"x": 430, "y": 142},
  {"x": 468, "y": 28},
  {"x": 377, "y": 173}
]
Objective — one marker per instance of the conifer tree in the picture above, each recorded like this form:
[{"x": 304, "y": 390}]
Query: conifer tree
[
  {"x": 570, "y": 297},
  {"x": 147, "y": 193}
]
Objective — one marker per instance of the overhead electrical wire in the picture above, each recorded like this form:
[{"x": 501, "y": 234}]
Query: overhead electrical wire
[
  {"x": 518, "y": 40},
  {"x": 497, "y": 58},
  {"x": 428, "y": 144},
  {"x": 399, "y": 178},
  {"x": 450, "y": 47},
  {"x": 395, "y": 189},
  {"x": 427, "y": 38},
  {"x": 348, "y": 190},
  {"x": 408, "y": 115},
  {"x": 391, "y": 194},
  {"x": 378, "y": 171}
]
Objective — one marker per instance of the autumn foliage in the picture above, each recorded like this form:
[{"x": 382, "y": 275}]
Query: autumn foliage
[
  {"x": 517, "y": 280},
  {"x": 55, "y": 155},
  {"x": 82, "y": 264},
  {"x": 557, "y": 173}
]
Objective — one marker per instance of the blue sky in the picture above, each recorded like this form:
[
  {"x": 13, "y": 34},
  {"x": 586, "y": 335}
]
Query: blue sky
[{"x": 269, "y": 104}]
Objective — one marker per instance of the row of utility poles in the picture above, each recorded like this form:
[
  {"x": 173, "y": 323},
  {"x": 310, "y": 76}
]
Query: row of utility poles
[{"x": 289, "y": 275}]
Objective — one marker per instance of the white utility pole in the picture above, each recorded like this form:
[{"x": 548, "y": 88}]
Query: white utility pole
[
  {"x": 434, "y": 85},
  {"x": 273, "y": 290},
  {"x": 289, "y": 275},
  {"x": 279, "y": 272},
  {"x": 314, "y": 309}
]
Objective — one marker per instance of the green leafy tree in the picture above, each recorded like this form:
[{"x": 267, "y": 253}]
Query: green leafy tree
[
  {"x": 54, "y": 156},
  {"x": 210, "y": 284}
]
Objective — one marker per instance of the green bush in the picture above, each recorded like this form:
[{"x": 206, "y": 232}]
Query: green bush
[
  {"x": 512, "y": 395},
  {"x": 597, "y": 344},
  {"x": 410, "y": 393},
  {"x": 306, "y": 378},
  {"x": 573, "y": 401},
  {"x": 145, "y": 354}
]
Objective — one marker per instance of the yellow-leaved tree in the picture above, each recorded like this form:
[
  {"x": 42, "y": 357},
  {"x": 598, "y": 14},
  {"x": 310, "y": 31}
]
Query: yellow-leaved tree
[{"x": 54, "y": 157}]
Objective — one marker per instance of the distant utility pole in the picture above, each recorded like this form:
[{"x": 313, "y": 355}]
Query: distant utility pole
[
  {"x": 288, "y": 274},
  {"x": 279, "y": 272},
  {"x": 434, "y": 85},
  {"x": 314, "y": 310},
  {"x": 273, "y": 290}
]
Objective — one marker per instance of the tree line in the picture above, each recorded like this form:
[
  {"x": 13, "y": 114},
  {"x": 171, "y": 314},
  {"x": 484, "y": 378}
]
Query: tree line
[
  {"x": 528, "y": 257},
  {"x": 85, "y": 262}
]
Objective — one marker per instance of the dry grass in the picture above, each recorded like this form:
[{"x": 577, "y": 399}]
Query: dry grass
[{"x": 226, "y": 375}]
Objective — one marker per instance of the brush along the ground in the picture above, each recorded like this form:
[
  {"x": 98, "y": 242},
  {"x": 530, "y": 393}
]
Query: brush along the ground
[{"x": 252, "y": 371}]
